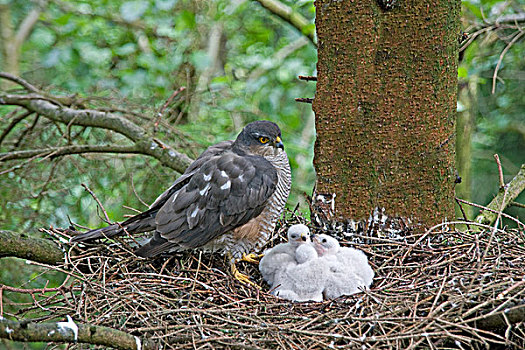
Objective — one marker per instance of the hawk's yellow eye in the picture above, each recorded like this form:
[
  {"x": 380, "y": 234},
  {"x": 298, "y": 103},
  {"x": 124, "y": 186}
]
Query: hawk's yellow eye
[{"x": 263, "y": 139}]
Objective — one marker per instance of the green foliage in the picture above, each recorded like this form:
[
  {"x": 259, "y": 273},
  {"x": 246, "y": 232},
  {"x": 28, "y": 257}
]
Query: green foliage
[{"x": 499, "y": 120}]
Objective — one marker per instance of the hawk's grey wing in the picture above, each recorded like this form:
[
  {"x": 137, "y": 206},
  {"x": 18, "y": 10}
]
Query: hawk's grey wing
[
  {"x": 211, "y": 151},
  {"x": 225, "y": 192},
  {"x": 145, "y": 221}
]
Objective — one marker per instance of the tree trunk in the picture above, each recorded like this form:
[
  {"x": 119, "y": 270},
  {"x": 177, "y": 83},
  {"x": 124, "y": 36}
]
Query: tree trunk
[{"x": 386, "y": 106}]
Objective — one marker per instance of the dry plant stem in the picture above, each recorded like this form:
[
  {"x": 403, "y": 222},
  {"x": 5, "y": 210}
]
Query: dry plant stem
[
  {"x": 37, "y": 249},
  {"x": 513, "y": 189},
  {"x": 87, "y": 333}
]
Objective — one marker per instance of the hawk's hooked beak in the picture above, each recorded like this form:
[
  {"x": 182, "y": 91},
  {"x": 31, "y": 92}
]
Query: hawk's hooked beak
[{"x": 279, "y": 143}]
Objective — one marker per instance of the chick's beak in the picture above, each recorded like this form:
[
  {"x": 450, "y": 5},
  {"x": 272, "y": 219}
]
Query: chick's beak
[{"x": 279, "y": 143}]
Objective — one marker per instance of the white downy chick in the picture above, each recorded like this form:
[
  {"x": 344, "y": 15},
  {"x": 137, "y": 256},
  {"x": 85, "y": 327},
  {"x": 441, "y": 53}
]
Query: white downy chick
[
  {"x": 358, "y": 260},
  {"x": 348, "y": 267},
  {"x": 276, "y": 259},
  {"x": 305, "y": 280}
]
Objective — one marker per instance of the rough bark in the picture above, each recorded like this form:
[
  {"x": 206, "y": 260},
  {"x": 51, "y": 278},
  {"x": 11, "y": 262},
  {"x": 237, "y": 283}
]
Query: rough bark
[
  {"x": 36, "y": 249},
  {"x": 385, "y": 107},
  {"x": 27, "y": 331}
]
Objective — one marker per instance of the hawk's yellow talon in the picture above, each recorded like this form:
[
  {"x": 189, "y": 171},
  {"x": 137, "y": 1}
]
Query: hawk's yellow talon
[
  {"x": 251, "y": 258},
  {"x": 242, "y": 277}
]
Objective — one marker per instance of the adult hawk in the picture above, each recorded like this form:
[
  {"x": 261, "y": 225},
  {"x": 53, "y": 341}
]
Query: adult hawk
[{"x": 228, "y": 200}]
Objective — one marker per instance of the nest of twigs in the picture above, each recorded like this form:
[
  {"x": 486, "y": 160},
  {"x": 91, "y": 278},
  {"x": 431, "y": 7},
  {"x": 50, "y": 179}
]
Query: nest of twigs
[{"x": 435, "y": 289}]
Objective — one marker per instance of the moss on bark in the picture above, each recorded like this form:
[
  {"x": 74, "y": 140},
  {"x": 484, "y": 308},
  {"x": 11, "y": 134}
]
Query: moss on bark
[{"x": 386, "y": 107}]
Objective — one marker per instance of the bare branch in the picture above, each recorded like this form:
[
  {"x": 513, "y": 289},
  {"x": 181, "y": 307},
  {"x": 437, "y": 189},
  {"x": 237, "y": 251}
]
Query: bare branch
[
  {"x": 71, "y": 332},
  {"x": 13, "y": 123},
  {"x": 87, "y": 117},
  {"x": 25, "y": 247},
  {"x": 513, "y": 189},
  {"x": 292, "y": 17},
  {"x": 66, "y": 150},
  {"x": 509, "y": 45},
  {"x": 19, "y": 81}
]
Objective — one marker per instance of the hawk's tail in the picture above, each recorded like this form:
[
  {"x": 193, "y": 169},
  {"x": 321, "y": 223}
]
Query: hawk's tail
[
  {"x": 156, "y": 246},
  {"x": 140, "y": 223},
  {"x": 109, "y": 231}
]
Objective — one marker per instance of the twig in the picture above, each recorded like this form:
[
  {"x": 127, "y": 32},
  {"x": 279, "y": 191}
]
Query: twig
[
  {"x": 509, "y": 45},
  {"x": 67, "y": 150},
  {"x": 304, "y": 100},
  {"x": 19, "y": 81},
  {"x": 12, "y": 124},
  {"x": 292, "y": 17},
  {"x": 166, "y": 104},
  {"x": 503, "y": 198},
  {"x": 462, "y": 211},
  {"x": 500, "y": 171},
  {"x": 98, "y": 202},
  {"x": 516, "y": 204},
  {"x": 31, "y": 291},
  {"x": 491, "y": 210},
  {"x": 307, "y": 78}
]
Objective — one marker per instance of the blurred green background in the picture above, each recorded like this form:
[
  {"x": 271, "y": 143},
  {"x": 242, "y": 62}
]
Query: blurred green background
[{"x": 239, "y": 63}]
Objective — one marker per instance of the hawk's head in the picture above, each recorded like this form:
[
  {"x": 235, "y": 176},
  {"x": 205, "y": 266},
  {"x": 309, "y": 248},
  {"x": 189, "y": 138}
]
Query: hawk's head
[{"x": 262, "y": 138}]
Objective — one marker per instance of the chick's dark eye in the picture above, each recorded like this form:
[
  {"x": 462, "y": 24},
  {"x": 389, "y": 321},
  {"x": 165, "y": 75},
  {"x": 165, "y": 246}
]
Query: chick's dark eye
[
  {"x": 324, "y": 240},
  {"x": 263, "y": 139}
]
